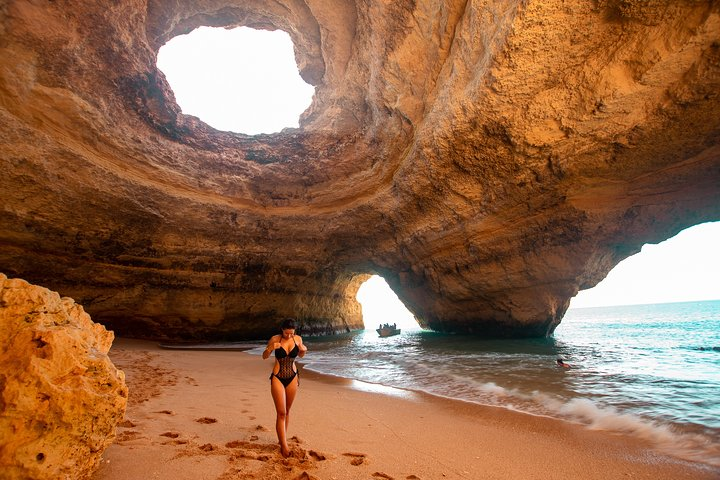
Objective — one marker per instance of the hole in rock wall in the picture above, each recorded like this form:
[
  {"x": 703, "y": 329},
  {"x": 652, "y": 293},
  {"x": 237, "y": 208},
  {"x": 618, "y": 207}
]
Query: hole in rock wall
[
  {"x": 381, "y": 305},
  {"x": 683, "y": 268},
  {"x": 240, "y": 80}
]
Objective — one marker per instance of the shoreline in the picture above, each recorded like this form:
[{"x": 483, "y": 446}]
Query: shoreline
[
  {"x": 661, "y": 438},
  {"x": 208, "y": 414}
]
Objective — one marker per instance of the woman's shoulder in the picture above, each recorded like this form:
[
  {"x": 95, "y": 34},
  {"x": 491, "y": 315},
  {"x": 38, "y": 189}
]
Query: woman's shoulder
[{"x": 275, "y": 338}]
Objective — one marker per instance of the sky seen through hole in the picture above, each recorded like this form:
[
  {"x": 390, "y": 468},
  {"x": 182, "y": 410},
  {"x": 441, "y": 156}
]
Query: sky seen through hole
[{"x": 240, "y": 80}]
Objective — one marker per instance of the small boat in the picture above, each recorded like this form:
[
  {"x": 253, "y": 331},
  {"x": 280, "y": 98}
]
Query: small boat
[{"x": 387, "y": 331}]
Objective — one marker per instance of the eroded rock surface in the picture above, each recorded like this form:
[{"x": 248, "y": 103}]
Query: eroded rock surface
[
  {"x": 487, "y": 158},
  {"x": 60, "y": 395}
]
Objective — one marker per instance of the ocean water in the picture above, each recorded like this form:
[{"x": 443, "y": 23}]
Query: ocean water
[{"x": 651, "y": 371}]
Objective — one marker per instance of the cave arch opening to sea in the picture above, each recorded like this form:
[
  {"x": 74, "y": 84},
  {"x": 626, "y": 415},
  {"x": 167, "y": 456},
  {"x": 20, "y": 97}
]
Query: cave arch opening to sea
[
  {"x": 240, "y": 80},
  {"x": 381, "y": 305},
  {"x": 680, "y": 269}
]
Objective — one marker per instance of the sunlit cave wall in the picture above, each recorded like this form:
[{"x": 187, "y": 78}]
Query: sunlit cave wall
[{"x": 487, "y": 159}]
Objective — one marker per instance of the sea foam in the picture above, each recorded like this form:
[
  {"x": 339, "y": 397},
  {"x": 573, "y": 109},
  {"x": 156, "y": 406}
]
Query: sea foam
[{"x": 665, "y": 438}]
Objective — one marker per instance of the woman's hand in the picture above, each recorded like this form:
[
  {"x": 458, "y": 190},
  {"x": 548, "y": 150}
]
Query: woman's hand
[{"x": 273, "y": 344}]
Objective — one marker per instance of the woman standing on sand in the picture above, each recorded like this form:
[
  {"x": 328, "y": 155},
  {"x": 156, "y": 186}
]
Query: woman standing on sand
[{"x": 284, "y": 377}]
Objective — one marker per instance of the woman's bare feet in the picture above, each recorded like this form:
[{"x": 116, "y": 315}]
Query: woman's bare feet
[{"x": 284, "y": 451}]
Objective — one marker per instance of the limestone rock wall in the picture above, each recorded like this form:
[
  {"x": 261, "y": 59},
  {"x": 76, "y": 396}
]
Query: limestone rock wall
[
  {"x": 487, "y": 158},
  {"x": 60, "y": 395}
]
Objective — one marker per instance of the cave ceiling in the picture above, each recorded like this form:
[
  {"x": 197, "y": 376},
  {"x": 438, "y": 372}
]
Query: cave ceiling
[{"x": 488, "y": 158}]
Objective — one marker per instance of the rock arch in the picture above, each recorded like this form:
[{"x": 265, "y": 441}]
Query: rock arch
[{"x": 488, "y": 159}]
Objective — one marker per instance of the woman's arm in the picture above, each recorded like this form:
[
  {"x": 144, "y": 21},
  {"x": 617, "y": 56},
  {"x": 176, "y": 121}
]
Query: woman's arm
[
  {"x": 301, "y": 346},
  {"x": 272, "y": 345}
]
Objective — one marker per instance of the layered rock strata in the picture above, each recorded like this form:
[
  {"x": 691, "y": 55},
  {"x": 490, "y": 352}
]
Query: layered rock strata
[
  {"x": 60, "y": 395},
  {"x": 488, "y": 158}
]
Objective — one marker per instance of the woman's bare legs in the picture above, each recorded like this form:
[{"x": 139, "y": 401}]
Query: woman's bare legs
[
  {"x": 283, "y": 399},
  {"x": 290, "y": 392}
]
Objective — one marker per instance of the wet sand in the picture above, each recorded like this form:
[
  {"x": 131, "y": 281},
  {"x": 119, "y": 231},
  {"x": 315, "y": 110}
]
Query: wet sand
[{"x": 208, "y": 415}]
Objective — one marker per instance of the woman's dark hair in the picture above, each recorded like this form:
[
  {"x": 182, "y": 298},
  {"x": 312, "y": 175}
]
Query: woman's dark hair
[{"x": 288, "y": 323}]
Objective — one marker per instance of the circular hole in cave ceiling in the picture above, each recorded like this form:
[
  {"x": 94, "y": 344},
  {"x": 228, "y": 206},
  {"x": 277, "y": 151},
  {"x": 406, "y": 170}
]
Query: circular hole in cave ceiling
[{"x": 240, "y": 80}]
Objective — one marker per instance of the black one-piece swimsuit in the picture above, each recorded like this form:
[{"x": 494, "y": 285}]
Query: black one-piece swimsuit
[{"x": 286, "y": 373}]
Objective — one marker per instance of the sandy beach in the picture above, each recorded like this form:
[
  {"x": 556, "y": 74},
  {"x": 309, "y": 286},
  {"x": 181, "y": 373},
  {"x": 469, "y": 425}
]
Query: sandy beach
[{"x": 208, "y": 415}]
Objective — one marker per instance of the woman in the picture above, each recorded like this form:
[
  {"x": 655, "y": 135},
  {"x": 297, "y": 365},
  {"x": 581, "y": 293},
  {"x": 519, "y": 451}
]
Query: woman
[{"x": 284, "y": 377}]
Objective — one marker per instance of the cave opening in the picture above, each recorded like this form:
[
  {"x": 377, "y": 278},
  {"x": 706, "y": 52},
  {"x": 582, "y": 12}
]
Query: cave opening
[
  {"x": 240, "y": 80},
  {"x": 682, "y": 268},
  {"x": 381, "y": 305}
]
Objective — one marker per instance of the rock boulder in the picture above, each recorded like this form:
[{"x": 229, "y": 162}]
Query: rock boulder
[{"x": 60, "y": 395}]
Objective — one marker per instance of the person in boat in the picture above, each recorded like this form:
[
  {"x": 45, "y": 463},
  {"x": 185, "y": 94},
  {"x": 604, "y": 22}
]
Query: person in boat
[{"x": 284, "y": 380}]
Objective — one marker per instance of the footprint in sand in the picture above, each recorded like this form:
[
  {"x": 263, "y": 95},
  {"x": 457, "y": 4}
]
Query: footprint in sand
[
  {"x": 260, "y": 428},
  {"x": 412, "y": 477},
  {"x": 305, "y": 476},
  {"x": 317, "y": 455},
  {"x": 235, "y": 444},
  {"x": 176, "y": 442},
  {"x": 356, "y": 458},
  {"x": 126, "y": 424},
  {"x": 166, "y": 412},
  {"x": 127, "y": 436},
  {"x": 170, "y": 434},
  {"x": 382, "y": 475},
  {"x": 249, "y": 450},
  {"x": 296, "y": 439},
  {"x": 208, "y": 447},
  {"x": 206, "y": 420},
  {"x": 253, "y": 438}
]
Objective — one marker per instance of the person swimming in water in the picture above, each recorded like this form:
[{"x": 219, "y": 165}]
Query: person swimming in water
[
  {"x": 284, "y": 379},
  {"x": 561, "y": 363}
]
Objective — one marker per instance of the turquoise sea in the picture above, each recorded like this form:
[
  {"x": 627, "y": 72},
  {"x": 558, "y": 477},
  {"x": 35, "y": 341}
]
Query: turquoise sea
[{"x": 651, "y": 371}]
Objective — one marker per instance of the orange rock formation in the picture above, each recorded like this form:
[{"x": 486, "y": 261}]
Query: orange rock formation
[
  {"x": 60, "y": 395},
  {"x": 487, "y": 158}
]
